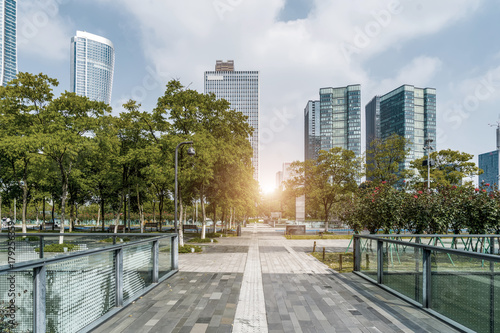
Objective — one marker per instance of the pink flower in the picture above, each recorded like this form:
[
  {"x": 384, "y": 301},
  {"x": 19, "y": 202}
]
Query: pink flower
[
  {"x": 454, "y": 187},
  {"x": 484, "y": 191},
  {"x": 373, "y": 200},
  {"x": 487, "y": 184},
  {"x": 404, "y": 181},
  {"x": 384, "y": 182},
  {"x": 415, "y": 196},
  {"x": 420, "y": 192},
  {"x": 477, "y": 190}
]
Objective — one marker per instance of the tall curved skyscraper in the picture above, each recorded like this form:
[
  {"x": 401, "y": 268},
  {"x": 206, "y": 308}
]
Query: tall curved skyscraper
[
  {"x": 8, "y": 44},
  {"x": 92, "y": 66}
]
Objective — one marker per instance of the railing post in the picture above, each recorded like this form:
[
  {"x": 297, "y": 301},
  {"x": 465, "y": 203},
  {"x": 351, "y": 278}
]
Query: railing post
[
  {"x": 357, "y": 253},
  {"x": 174, "y": 252},
  {"x": 380, "y": 261},
  {"x": 39, "y": 295},
  {"x": 119, "y": 277},
  {"x": 156, "y": 260},
  {"x": 427, "y": 287}
]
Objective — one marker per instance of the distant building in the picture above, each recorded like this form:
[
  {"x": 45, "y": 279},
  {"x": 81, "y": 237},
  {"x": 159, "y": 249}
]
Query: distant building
[
  {"x": 490, "y": 163},
  {"x": 8, "y": 41},
  {"x": 279, "y": 180},
  {"x": 241, "y": 90},
  {"x": 372, "y": 121},
  {"x": 407, "y": 111},
  {"x": 312, "y": 138},
  {"x": 92, "y": 66},
  {"x": 340, "y": 118}
]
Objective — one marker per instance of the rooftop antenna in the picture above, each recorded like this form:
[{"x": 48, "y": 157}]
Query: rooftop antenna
[{"x": 497, "y": 124}]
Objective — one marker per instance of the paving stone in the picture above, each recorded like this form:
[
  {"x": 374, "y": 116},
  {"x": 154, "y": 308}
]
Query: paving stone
[{"x": 295, "y": 293}]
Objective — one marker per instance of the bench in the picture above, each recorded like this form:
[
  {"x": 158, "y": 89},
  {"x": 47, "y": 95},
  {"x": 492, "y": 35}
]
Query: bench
[
  {"x": 47, "y": 225},
  {"x": 151, "y": 225},
  {"x": 190, "y": 227},
  {"x": 121, "y": 227}
]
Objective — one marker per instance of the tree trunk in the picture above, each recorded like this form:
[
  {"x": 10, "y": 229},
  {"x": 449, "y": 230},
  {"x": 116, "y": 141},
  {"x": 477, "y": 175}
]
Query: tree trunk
[
  {"x": 203, "y": 216},
  {"x": 139, "y": 205},
  {"x": 154, "y": 212},
  {"x": 25, "y": 206},
  {"x": 103, "y": 213},
  {"x": 53, "y": 209},
  {"x": 117, "y": 220},
  {"x": 71, "y": 216},
  {"x": 160, "y": 209},
  {"x": 43, "y": 213},
  {"x": 0, "y": 213},
  {"x": 98, "y": 215},
  {"x": 63, "y": 208}
]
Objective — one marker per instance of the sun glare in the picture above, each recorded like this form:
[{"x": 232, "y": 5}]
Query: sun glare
[{"x": 267, "y": 189}]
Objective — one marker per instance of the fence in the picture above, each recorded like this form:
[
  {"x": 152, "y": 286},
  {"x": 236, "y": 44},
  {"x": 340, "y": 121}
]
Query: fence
[
  {"x": 459, "y": 284},
  {"x": 77, "y": 290}
]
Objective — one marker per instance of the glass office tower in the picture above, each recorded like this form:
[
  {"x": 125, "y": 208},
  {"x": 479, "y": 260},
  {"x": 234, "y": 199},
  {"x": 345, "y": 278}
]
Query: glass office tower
[
  {"x": 409, "y": 112},
  {"x": 8, "y": 49},
  {"x": 312, "y": 138},
  {"x": 340, "y": 118},
  {"x": 92, "y": 66},
  {"x": 241, "y": 90}
]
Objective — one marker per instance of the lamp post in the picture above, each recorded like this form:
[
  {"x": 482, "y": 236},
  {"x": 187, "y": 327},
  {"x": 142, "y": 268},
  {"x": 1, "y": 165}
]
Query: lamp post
[
  {"x": 428, "y": 148},
  {"x": 190, "y": 152}
]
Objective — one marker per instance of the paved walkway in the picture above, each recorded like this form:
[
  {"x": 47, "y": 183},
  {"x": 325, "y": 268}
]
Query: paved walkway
[{"x": 261, "y": 282}]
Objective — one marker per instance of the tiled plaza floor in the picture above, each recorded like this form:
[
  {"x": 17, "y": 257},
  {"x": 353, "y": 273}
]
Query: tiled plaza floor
[{"x": 261, "y": 282}]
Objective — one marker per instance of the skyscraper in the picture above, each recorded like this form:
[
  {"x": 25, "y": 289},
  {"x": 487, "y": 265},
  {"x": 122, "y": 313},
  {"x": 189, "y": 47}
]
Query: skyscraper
[
  {"x": 241, "y": 90},
  {"x": 312, "y": 138},
  {"x": 92, "y": 66},
  {"x": 8, "y": 49},
  {"x": 490, "y": 163},
  {"x": 340, "y": 118},
  {"x": 407, "y": 111}
]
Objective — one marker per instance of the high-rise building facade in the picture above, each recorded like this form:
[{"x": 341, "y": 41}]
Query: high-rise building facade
[
  {"x": 241, "y": 90},
  {"x": 372, "y": 120},
  {"x": 92, "y": 66},
  {"x": 411, "y": 113},
  {"x": 340, "y": 118},
  {"x": 312, "y": 138},
  {"x": 490, "y": 164},
  {"x": 8, "y": 41}
]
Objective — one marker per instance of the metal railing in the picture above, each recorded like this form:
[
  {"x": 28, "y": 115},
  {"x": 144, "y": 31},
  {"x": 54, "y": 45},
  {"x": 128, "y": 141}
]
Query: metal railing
[
  {"x": 459, "y": 284},
  {"x": 78, "y": 290}
]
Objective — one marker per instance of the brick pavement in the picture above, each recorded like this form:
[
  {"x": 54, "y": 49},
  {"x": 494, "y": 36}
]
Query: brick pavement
[{"x": 222, "y": 290}]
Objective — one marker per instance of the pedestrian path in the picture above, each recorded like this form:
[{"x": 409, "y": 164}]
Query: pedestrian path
[{"x": 262, "y": 282}]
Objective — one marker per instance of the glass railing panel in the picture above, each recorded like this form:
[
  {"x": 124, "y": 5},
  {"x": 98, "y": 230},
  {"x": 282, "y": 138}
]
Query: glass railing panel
[
  {"x": 21, "y": 285},
  {"x": 137, "y": 268},
  {"x": 461, "y": 289},
  {"x": 165, "y": 256},
  {"x": 25, "y": 249},
  {"x": 79, "y": 291},
  {"x": 369, "y": 258},
  {"x": 403, "y": 270}
]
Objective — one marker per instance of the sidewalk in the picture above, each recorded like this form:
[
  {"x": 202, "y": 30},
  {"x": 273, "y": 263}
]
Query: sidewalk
[{"x": 261, "y": 282}]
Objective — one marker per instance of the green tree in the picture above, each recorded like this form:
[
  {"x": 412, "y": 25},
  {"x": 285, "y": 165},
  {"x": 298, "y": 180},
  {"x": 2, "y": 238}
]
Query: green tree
[
  {"x": 328, "y": 181},
  {"x": 384, "y": 158},
  {"x": 450, "y": 168},
  {"x": 22, "y": 104}
]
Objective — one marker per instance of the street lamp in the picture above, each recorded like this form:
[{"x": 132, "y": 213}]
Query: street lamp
[
  {"x": 428, "y": 148},
  {"x": 190, "y": 152}
]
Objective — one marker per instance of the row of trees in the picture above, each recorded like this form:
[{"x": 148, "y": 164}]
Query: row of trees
[
  {"x": 394, "y": 198},
  {"x": 73, "y": 151}
]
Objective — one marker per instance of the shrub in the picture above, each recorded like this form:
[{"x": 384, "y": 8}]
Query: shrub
[
  {"x": 58, "y": 247},
  {"x": 187, "y": 248},
  {"x": 199, "y": 240}
]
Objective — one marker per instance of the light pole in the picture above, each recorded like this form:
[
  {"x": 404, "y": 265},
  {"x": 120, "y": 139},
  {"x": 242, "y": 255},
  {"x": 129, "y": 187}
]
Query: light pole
[
  {"x": 428, "y": 148},
  {"x": 190, "y": 152}
]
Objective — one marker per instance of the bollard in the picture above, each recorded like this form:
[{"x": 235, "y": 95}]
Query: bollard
[
  {"x": 314, "y": 247},
  {"x": 323, "y": 254},
  {"x": 340, "y": 262}
]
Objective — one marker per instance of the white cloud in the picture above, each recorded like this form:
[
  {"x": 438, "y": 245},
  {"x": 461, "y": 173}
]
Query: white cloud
[
  {"x": 295, "y": 58},
  {"x": 41, "y": 32}
]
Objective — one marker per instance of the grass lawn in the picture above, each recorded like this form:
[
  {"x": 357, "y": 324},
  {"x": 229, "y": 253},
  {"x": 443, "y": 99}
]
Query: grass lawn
[
  {"x": 318, "y": 237},
  {"x": 333, "y": 261}
]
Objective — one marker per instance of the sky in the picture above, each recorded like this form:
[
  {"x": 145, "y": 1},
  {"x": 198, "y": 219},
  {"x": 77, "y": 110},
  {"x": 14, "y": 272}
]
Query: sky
[{"x": 298, "y": 46}]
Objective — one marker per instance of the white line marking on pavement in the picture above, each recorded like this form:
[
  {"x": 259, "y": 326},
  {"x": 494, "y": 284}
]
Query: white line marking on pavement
[{"x": 251, "y": 309}]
